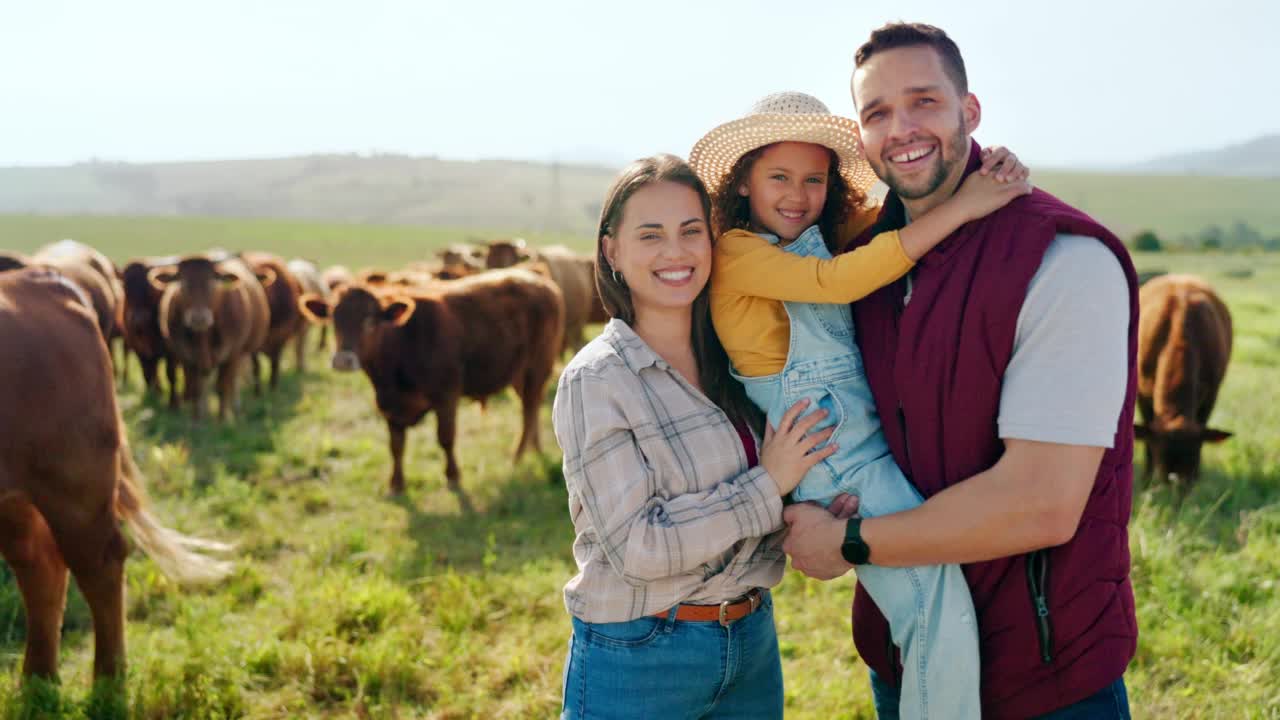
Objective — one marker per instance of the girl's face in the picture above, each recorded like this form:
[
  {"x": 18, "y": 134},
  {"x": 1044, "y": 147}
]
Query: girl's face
[
  {"x": 662, "y": 247},
  {"x": 787, "y": 188}
]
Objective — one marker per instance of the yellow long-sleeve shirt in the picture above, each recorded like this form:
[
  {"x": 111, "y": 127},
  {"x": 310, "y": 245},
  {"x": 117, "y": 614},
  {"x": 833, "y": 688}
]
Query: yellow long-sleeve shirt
[{"x": 750, "y": 279}]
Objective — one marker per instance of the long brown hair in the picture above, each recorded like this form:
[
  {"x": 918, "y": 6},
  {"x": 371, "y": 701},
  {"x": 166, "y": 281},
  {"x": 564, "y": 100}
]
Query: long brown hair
[
  {"x": 713, "y": 362},
  {"x": 733, "y": 210}
]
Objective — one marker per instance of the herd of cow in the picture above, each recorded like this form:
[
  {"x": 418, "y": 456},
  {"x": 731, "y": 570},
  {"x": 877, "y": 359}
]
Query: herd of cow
[{"x": 467, "y": 324}]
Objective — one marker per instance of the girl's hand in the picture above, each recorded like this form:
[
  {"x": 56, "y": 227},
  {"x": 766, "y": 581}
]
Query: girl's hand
[
  {"x": 788, "y": 452},
  {"x": 844, "y": 506},
  {"x": 980, "y": 195},
  {"x": 1004, "y": 164}
]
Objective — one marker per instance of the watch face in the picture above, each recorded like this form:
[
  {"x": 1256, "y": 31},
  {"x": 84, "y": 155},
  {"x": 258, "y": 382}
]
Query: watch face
[{"x": 854, "y": 550}]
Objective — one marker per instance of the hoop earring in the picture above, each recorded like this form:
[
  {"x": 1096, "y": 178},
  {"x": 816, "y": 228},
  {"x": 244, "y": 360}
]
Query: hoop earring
[{"x": 618, "y": 279}]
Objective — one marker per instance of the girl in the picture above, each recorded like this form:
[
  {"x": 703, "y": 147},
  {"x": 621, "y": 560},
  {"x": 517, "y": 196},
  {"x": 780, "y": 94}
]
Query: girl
[
  {"x": 676, "y": 523},
  {"x": 786, "y": 179}
]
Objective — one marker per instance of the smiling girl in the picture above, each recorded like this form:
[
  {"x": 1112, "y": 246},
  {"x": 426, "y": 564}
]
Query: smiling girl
[{"x": 788, "y": 182}]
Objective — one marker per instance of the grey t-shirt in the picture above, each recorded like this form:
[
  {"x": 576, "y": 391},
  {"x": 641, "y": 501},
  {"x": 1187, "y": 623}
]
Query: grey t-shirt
[{"x": 1065, "y": 382}]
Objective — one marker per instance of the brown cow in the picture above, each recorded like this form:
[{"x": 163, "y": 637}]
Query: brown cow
[
  {"x": 67, "y": 476},
  {"x": 213, "y": 315},
  {"x": 1184, "y": 343},
  {"x": 310, "y": 281},
  {"x": 336, "y": 275},
  {"x": 506, "y": 253},
  {"x": 282, "y": 299},
  {"x": 575, "y": 275},
  {"x": 471, "y": 256},
  {"x": 141, "y": 324},
  {"x": 93, "y": 272},
  {"x": 427, "y": 350}
]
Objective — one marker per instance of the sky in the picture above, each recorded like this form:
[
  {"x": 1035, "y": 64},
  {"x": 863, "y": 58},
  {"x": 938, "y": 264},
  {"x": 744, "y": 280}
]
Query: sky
[{"x": 1086, "y": 83}]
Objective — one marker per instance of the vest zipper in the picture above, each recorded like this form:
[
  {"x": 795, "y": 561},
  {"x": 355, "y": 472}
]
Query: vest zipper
[
  {"x": 1038, "y": 585},
  {"x": 906, "y": 440},
  {"x": 899, "y": 307},
  {"x": 893, "y": 661}
]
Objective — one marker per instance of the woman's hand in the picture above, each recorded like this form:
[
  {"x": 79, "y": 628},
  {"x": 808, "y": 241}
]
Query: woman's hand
[
  {"x": 788, "y": 452},
  {"x": 1004, "y": 164}
]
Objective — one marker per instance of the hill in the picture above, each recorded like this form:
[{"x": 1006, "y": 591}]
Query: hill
[
  {"x": 384, "y": 189},
  {"x": 1259, "y": 157},
  {"x": 528, "y": 198}
]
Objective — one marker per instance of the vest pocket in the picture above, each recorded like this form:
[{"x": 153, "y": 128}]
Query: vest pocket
[{"x": 1038, "y": 586}]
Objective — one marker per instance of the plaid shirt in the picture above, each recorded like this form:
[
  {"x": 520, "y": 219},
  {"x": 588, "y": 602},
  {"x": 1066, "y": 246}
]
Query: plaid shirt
[{"x": 665, "y": 508}]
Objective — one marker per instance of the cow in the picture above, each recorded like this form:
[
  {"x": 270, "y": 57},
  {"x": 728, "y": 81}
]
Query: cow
[
  {"x": 213, "y": 316},
  {"x": 141, "y": 324},
  {"x": 93, "y": 272},
  {"x": 425, "y": 349},
  {"x": 471, "y": 256},
  {"x": 1184, "y": 343},
  {"x": 505, "y": 253},
  {"x": 282, "y": 299},
  {"x": 575, "y": 275},
  {"x": 67, "y": 475},
  {"x": 309, "y": 281},
  {"x": 336, "y": 275}
]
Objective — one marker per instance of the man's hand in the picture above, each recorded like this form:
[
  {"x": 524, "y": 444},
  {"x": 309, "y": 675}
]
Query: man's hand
[{"x": 813, "y": 541}]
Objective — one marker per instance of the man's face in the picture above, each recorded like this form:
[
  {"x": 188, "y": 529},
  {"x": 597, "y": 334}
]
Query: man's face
[{"x": 914, "y": 124}]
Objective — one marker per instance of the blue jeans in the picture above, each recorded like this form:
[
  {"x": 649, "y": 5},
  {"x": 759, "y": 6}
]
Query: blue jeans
[
  {"x": 1109, "y": 703},
  {"x": 662, "y": 668}
]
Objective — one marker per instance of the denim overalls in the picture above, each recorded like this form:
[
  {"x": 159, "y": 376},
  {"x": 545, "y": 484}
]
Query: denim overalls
[{"x": 929, "y": 608}]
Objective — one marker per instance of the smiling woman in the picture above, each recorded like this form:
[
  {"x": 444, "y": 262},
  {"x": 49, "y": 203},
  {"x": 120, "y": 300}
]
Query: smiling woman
[{"x": 676, "y": 521}]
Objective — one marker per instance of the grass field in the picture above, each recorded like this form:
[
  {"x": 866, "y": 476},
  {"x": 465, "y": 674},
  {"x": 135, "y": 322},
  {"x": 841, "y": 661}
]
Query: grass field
[{"x": 349, "y": 604}]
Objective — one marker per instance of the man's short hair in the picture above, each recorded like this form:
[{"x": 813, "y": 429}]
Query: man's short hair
[{"x": 899, "y": 35}]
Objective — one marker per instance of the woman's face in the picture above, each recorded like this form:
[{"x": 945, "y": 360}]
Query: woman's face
[
  {"x": 662, "y": 247},
  {"x": 787, "y": 188}
]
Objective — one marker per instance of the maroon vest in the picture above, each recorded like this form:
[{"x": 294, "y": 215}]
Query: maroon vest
[{"x": 1056, "y": 625}]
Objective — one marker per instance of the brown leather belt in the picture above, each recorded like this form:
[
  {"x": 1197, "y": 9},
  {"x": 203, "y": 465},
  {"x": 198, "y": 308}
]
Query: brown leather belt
[{"x": 726, "y": 613}]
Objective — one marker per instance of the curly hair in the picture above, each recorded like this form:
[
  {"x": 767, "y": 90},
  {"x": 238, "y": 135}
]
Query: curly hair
[{"x": 730, "y": 209}]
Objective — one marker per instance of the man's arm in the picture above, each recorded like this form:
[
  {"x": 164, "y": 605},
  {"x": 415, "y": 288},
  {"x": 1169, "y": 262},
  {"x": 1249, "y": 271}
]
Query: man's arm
[
  {"x": 1063, "y": 390},
  {"x": 1032, "y": 498}
]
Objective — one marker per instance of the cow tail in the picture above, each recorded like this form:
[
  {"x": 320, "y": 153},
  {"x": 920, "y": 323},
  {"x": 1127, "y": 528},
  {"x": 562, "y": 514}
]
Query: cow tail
[{"x": 179, "y": 557}]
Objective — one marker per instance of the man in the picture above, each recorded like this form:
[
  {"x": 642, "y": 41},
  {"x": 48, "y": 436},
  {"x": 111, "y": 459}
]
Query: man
[{"x": 1003, "y": 371}]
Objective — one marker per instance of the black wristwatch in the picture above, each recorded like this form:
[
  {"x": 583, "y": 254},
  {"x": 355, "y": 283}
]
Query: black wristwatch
[{"x": 854, "y": 550}]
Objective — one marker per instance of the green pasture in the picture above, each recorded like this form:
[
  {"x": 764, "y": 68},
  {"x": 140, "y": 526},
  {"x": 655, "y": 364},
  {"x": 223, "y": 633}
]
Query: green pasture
[{"x": 349, "y": 604}]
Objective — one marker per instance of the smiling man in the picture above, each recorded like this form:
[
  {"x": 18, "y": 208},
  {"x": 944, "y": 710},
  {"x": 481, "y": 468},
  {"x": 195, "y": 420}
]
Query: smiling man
[{"x": 1003, "y": 371}]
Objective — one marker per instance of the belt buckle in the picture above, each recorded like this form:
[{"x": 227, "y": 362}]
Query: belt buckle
[{"x": 724, "y": 614}]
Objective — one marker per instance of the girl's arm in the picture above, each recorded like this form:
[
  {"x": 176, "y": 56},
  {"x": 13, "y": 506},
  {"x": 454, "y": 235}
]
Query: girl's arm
[{"x": 747, "y": 264}]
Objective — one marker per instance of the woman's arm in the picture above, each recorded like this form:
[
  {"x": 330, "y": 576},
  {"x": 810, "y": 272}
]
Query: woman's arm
[{"x": 645, "y": 532}]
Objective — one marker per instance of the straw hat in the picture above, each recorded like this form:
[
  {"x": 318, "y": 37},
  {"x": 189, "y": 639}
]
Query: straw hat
[{"x": 781, "y": 117}]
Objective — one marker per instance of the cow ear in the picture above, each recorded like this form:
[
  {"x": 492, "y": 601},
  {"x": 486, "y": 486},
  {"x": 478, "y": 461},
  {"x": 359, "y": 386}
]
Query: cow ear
[
  {"x": 161, "y": 276},
  {"x": 1141, "y": 432},
  {"x": 1215, "y": 436},
  {"x": 266, "y": 276},
  {"x": 398, "y": 311},
  {"x": 314, "y": 307}
]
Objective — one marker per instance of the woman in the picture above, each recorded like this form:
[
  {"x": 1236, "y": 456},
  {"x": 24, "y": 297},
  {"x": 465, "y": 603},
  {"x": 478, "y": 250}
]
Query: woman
[{"x": 676, "y": 523}]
